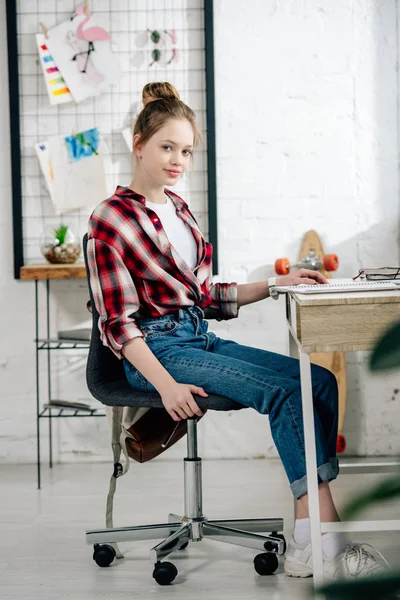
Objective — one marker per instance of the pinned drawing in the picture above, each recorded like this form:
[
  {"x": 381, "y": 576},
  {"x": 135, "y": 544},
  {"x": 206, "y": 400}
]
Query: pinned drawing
[
  {"x": 42, "y": 152},
  {"x": 85, "y": 143},
  {"x": 78, "y": 170},
  {"x": 81, "y": 59},
  {"x": 56, "y": 87},
  {"x": 89, "y": 34},
  {"x": 127, "y": 134},
  {"x": 82, "y": 51}
]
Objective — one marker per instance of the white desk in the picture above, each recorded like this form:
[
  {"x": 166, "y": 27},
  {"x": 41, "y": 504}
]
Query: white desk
[{"x": 334, "y": 322}]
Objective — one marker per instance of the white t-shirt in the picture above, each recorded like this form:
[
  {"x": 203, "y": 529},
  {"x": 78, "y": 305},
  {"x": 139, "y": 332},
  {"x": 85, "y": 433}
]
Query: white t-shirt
[{"x": 178, "y": 232}]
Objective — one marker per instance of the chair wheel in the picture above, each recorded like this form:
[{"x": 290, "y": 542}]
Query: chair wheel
[
  {"x": 164, "y": 573},
  {"x": 280, "y": 537},
  {"x": 266, "y": 563},
  {"x": 103, "y": 555},
  {"x": 185, "y": 545}
]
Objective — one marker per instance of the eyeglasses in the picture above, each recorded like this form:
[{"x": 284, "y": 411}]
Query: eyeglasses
[
  {"x": 157, "y": 37},
  {"x": 156, "y": 54},
  {"x": 379, "y": 274}
]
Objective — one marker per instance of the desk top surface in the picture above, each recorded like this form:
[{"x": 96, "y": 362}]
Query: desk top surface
[
  {"x": 336, "y": 298},
  {"x": 47, "y": 271}
]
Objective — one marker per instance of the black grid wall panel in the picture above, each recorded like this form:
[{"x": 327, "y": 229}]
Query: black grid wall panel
[{"x": 111, "y": 112}]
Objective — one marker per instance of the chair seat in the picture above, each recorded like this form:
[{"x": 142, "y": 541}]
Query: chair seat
[{"x": 120, "y": 393}]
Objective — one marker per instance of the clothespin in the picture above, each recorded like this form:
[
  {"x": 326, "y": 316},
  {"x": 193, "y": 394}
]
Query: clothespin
[
  {"x": 44, "y": 29},
  {"x": 86, "y": 6}
]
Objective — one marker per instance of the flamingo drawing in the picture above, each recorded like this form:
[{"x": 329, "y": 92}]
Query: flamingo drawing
[
  {"x": 88, "y": 34},
  {"x": 83, "y": 66}
]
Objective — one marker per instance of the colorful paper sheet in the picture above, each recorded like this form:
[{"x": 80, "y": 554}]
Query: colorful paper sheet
[
  {"x": 43, "y": 155},
  {"x": 56, "y": 87}
]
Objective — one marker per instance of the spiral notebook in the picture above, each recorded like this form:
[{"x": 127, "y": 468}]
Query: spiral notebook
[{"x": 340, "y": 285}]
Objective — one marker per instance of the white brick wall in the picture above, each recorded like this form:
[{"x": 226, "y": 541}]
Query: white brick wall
[{"x": 307, "y": 137}]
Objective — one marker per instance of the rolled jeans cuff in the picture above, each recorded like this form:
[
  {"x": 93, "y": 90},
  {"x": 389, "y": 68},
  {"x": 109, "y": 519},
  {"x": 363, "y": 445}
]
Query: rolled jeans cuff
[{"x": 326, "y": 472}]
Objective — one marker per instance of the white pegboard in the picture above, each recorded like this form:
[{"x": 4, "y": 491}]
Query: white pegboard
[{"x": 113, "y": 110}]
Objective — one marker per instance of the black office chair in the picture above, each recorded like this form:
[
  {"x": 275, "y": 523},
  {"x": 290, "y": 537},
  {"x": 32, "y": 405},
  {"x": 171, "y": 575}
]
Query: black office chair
[{"x": 107, "y": 382}]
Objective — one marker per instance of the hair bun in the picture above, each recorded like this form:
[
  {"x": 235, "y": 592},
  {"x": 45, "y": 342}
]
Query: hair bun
[{"x": 158, "y": 90}]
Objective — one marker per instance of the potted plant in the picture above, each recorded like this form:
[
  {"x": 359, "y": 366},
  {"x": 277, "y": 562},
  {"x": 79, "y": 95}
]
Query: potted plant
[{"x": 59, "y": 245}]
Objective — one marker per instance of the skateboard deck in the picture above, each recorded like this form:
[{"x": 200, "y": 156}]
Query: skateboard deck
[{"x": 334, "y": 361}]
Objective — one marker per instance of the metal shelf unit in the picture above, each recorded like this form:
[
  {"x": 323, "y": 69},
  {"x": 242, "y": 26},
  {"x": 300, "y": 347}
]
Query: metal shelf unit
[{"x": 48, "y": 344}]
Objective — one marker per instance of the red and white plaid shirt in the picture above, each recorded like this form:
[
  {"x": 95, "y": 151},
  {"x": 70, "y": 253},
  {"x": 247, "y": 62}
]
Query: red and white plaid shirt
[{"x": 133, "y": 273}]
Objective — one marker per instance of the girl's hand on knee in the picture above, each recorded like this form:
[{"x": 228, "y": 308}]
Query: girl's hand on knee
[{"x": 179, "y": 401}]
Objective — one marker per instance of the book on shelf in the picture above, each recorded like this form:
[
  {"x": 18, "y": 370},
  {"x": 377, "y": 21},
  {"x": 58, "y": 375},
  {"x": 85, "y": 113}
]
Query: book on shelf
[
  {"x": 81, "y": 334},
  {"x": 71, "y": 404}
]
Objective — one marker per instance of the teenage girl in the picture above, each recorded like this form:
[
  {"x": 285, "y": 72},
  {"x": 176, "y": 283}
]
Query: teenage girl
[{"x": 151, "y": 275}]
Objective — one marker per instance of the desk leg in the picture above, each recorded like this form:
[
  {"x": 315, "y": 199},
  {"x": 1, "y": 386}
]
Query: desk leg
[
  {"x": 293, "y": 352},
  {"x": 37, "y": 383},
  {"x": 311, "y": 467},
  {"x": 49, "y": 373}
]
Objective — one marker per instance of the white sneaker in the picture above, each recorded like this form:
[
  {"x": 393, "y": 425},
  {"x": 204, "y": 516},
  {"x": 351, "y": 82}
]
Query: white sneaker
[
  {"x": 298, "y": 560},
  {"x": 353, "y": 562}
]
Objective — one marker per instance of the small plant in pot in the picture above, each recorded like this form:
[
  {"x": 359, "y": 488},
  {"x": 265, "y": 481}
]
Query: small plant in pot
[{"x": 60, "y": 245}]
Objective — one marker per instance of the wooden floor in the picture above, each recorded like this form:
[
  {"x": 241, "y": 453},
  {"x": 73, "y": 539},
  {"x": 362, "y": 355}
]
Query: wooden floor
[{"x": 44, "y": 555}]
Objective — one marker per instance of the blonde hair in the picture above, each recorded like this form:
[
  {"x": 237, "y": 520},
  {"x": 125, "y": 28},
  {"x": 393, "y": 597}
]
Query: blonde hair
[{"x": 161, "y": 102}]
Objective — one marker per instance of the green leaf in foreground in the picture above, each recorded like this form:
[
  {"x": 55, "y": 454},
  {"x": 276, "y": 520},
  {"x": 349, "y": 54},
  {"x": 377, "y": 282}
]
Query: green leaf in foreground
[
  {"x": 386, "y": 354},
  {"x": 385, "y": 587},
  {"x": 385, "y": 490}
]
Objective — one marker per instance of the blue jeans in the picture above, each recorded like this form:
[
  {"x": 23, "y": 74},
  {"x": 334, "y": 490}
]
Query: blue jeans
[{"x": 265, "y": 381}]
